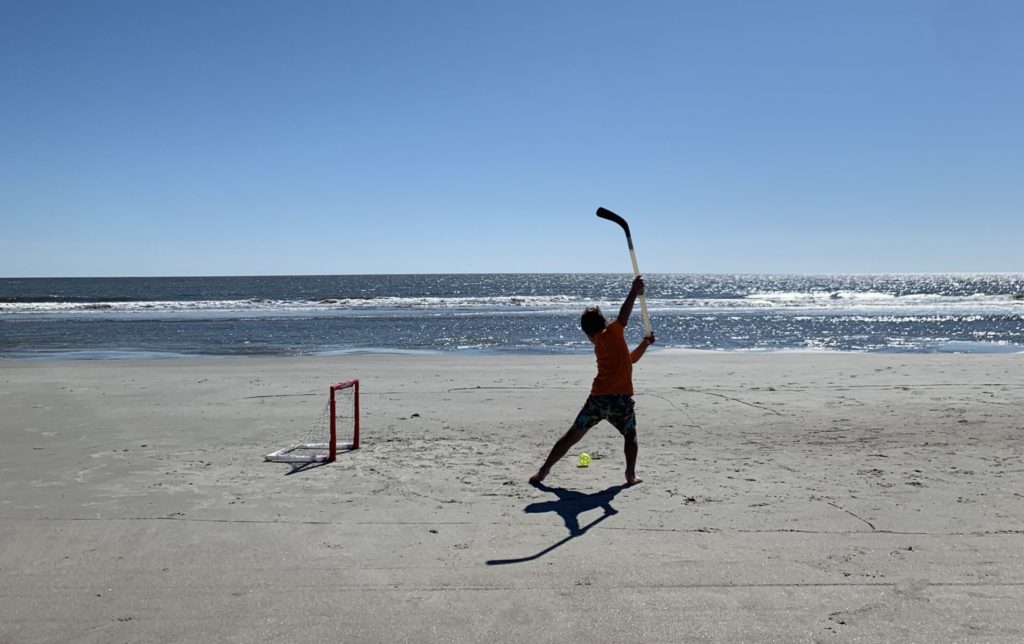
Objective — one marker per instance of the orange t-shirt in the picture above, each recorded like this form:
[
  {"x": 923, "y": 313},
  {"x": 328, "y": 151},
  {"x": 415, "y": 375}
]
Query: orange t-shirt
[{"x": 614, "y": 364}]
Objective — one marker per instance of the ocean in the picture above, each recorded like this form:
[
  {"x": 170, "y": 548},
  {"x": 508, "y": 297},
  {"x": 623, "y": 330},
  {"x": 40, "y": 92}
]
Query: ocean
[{"x": 156, "y": 317}]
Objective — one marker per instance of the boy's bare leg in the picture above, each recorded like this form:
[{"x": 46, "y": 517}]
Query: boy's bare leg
[
  {"x": 559, "y": 450},
  {"x": 631, "y": 447}
]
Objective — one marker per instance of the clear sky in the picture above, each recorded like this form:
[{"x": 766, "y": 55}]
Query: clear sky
[{"x": 219, "y": 137}]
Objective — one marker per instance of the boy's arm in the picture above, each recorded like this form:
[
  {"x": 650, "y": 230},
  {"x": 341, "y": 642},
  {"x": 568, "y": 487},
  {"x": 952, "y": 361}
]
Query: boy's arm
[
  {"x": 638, "y": 352},
  {"x": 627, "y": 306}
]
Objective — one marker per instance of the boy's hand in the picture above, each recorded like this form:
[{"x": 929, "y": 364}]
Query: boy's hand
[
  {"x": 639, "y": 351},
  {"x": 638, "y": 285}
]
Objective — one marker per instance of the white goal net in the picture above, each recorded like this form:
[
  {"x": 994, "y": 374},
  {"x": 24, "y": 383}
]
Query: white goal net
[{"x": 335, "y": 429}]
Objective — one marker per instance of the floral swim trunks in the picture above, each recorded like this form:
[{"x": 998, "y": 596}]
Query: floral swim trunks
[{"x": 617, "y": 410}]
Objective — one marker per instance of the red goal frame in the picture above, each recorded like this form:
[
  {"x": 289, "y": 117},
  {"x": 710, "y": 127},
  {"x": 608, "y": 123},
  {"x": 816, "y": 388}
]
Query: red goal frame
[
  {"x": 313, "y": 449},
  {"x": 354, "y": 444}
]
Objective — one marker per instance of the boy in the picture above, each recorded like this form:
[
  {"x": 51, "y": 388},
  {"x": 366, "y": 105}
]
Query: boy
[{"x": 611, "y": 394}]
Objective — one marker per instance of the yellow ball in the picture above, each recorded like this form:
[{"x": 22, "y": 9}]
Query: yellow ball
[{"x": 584, "y": 459}]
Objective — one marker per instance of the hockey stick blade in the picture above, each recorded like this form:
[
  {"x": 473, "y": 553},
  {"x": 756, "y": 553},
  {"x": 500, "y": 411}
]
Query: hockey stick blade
[{"x": 604, "y": 213}]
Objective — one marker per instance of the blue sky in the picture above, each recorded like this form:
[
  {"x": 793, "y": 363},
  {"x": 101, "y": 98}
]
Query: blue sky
[{"x": 188, "y": 137}]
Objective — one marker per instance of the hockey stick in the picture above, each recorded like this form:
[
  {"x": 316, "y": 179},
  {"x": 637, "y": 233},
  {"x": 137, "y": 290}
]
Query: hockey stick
[{"x": 604, "y": 213}]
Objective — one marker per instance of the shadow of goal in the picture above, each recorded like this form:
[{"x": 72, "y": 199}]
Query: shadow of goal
[{"x": 320, "y": 443}]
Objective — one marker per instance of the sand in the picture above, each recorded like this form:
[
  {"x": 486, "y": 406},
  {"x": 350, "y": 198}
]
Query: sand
[{"x": 786, "y": 497}]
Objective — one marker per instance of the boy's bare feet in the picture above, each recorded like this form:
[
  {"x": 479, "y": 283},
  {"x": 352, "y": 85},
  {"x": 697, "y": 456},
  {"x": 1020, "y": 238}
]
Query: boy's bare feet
[
  {"x": 538, "y": 477},
  {"x": 631, "y": 479}
]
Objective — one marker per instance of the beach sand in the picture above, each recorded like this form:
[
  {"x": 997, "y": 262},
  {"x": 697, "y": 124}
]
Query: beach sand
[{"x": 786, "y": 497}]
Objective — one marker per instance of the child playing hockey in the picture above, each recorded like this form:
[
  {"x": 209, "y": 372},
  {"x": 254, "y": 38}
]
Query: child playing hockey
[{"x": 611, "y": 396}]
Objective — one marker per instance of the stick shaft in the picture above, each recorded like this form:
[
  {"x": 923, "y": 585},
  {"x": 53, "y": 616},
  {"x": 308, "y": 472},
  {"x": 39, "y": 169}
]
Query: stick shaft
[
  {"x": 604, "y": 213},
  {"x": 643, "y": 300}
]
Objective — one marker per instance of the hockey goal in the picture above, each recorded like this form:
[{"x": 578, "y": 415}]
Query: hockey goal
[{"x": 339, "y": 418}]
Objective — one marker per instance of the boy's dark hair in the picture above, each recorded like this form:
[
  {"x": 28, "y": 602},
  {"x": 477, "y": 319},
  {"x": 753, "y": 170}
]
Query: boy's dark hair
[{"x": 592, "y": 321}]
